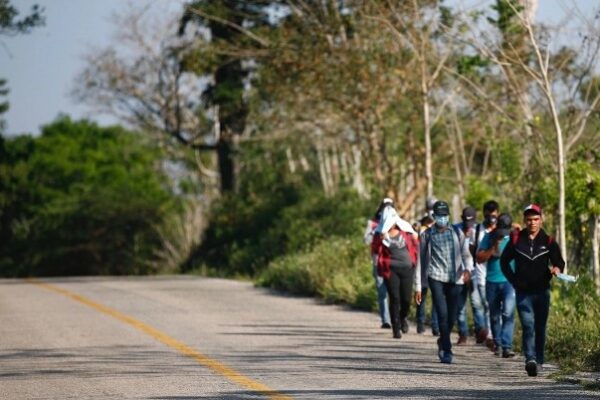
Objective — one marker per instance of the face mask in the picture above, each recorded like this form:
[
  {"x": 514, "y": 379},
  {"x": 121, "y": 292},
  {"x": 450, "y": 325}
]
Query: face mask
[
  {"x": 441, "y": 221},
  {"x": 490, "y": 220}
]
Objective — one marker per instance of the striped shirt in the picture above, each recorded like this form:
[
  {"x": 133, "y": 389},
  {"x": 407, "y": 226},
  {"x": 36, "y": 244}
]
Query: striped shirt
[{"x": 441, "y": 266}]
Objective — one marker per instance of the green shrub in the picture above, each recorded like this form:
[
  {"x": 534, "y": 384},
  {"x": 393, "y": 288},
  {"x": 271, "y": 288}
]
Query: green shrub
[
  {"x": 573, "y": 336},
  {"x": 246, "y": 233},
  {"x": 337, "y": 270}
]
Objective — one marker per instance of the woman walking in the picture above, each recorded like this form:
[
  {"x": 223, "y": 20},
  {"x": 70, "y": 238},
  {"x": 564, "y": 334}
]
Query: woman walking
[{"x": 396, "y": 261}]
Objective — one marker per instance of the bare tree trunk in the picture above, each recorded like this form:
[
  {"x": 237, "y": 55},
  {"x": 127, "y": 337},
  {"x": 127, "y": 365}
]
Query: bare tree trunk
[
  {"x": 357, "y": 175},
  {"x": 546, "y": 87},
  {"x": 323, "y": 170}
]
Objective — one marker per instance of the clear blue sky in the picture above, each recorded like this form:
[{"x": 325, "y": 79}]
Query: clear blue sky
[{"x": 41, "y": 67}]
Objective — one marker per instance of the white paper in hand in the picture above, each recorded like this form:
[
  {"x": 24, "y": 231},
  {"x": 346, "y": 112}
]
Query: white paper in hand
[{"x": 566, "y": 278}]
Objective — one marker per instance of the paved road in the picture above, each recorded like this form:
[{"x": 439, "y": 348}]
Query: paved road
[{"x": 188, "y": 337}]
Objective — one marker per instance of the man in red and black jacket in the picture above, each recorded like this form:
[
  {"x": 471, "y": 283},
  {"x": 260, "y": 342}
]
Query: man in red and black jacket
[{"x": 537, "y": 257}]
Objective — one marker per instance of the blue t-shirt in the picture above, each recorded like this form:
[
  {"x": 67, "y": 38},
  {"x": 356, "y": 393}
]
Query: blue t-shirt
[{"x": 494, "y": 272}]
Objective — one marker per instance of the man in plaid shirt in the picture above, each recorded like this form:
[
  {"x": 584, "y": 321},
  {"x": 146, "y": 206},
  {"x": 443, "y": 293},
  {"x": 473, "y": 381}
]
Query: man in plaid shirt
[{"x": 444, "y": 259}]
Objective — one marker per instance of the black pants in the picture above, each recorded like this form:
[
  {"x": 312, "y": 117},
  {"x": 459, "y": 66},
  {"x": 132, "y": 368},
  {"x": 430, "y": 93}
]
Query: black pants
[{"x": 399, "y": 288}]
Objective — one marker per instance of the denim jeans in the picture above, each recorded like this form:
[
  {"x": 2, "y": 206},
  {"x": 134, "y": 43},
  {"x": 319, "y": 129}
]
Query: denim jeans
[
  {"x": 445, "y": 299},
  {"x": 481, "y": 311},
  {"x": 533, "y": 313},
  {"x": 421, "y": 312},
  {"x": 461, "y": 320},
  {"x": 384, "y": 311},
  {"x": 501, "y": 298},
  {"x": 479, "y": 306}
]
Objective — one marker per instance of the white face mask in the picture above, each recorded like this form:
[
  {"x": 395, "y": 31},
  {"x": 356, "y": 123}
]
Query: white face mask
[{"x": 441, "y": 221}]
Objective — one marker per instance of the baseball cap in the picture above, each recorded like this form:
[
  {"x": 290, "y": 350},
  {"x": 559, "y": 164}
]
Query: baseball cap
[
  {"x": 387, "y": 200},
  {"x": 468, "y": 216},
  {"x": 532, "y": 209},
  {"x": 441, "y": 208},
  {"x": 504, "y": 225}
]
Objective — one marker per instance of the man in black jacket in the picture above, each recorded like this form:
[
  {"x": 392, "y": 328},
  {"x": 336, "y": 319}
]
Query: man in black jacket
[{"x": 537, "y": 257}]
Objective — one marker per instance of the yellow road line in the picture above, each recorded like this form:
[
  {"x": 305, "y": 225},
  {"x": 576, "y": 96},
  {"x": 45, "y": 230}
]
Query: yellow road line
[{"x": 184, "y": 349}]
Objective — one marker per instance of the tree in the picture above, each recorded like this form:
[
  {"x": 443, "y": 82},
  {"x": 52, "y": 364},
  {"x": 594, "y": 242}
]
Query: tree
[
  {"x": 79, "y": 200},
  {"x": 226, "y": 25},
  {"x": 11, "y": 26},
  {"x": 546, "y": 85}
]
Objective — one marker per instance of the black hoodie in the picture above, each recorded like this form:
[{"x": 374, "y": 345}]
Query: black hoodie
[{"x": 532, "y": 260}]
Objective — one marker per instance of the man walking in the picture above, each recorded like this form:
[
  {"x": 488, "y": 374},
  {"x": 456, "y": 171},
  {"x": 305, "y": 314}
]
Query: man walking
[
  {"x": 466, "y": 225},
  {"x": 444, "y": 258},
  {"x": 491, "y": 210},
  {"x": 500, "y": 294},
  {"x": 537, "y": 257}
]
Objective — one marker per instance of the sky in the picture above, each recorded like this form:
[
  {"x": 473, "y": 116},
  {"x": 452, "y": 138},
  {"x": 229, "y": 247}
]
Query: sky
[{"x": 41, "y": 67}]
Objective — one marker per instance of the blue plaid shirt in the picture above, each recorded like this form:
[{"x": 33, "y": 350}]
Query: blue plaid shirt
[{"x": 441, "y": 266}]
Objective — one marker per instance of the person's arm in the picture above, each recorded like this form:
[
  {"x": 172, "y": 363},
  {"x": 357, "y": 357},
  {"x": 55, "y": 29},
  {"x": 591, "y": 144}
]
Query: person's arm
[
  {"x": 486, "y": 249},
  {"x": 507, "y": 256},
  {"x": 558, "y": 263},
  {"x": 419, "y": 268}
]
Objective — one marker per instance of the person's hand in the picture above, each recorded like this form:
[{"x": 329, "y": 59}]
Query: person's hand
[
  {"x": 555, "y": 271},
  {"x": 466, "y": 277},
  {"x": 418, "y": 298}
]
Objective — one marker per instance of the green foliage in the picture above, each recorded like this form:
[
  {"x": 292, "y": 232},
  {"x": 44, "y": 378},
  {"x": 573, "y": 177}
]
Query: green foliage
[
  {"x": 10, "y": 25},
  {"x": 80, "y": 200},
  {"x": 573, "y": 326},
  {"x": 246, "y": 233},
  {"x": 507, "y": 20},
  {"x": 478, "y": 192},
  {"x": 337, "y": 270}
]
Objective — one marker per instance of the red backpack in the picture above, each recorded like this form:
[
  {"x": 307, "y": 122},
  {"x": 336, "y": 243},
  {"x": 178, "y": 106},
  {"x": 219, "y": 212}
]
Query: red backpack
[{"x": 514, "y": 237}]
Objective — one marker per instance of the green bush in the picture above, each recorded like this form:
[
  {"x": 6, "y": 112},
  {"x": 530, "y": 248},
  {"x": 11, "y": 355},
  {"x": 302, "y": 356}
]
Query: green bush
[
  {"x": 246, "y": 233},
  {"x": 573, "y": 336},
  {"x": 80, "y": 200},
  {"x": 337, "y": 270}
]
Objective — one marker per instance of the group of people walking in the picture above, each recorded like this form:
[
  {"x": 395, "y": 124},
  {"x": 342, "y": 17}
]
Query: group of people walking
[{"x": 495, "y": 263}]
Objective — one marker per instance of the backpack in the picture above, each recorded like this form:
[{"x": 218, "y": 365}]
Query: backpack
[
  {"x": 461, "y": 240},
  {"x": 476, "y": 244},
  {"x": 514, "y": 237}
]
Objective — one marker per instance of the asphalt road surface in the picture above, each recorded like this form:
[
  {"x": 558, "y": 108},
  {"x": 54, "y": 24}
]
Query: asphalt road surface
[{"x": 200, "y": 338}]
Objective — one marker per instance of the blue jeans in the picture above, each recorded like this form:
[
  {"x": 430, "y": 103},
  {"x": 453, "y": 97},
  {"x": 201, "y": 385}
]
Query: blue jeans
[
  {"x": 384, "y": 311},
  {"x": 478, "y": 305},
  {"x": 461, "y": 320},
  {"x": 421, "y": 312},
  {"x": 481, "y": 312},
  {"x": 445, "y": 300},
  {"x": 501, "y": 298},
  {"x": 533, "y": 313}
]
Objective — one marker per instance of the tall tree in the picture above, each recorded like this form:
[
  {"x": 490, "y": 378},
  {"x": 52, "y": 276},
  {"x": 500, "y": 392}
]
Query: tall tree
[{"x": 225, "y": 25}]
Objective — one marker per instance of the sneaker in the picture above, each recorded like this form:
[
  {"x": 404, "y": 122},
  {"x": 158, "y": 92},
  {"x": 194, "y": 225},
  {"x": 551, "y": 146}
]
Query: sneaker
[
  {"x": 482, "y": 335},
  {"x": 404, "y": 326},
  {"x": 385, "y": 325},
  {"x": 446, "y": 358},
  {"x": 507, "y": 353},
  {"x": 420, "y": 328},
  {"x": 531, "y": 367},
  {"x": 462, "y": 341},
  {"x": 497, "y": 351},
  {"x": 397, "y": 335}
]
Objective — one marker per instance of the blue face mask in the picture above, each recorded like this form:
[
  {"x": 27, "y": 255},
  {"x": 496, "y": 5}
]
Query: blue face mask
[{"x": 442, "y": 221}]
